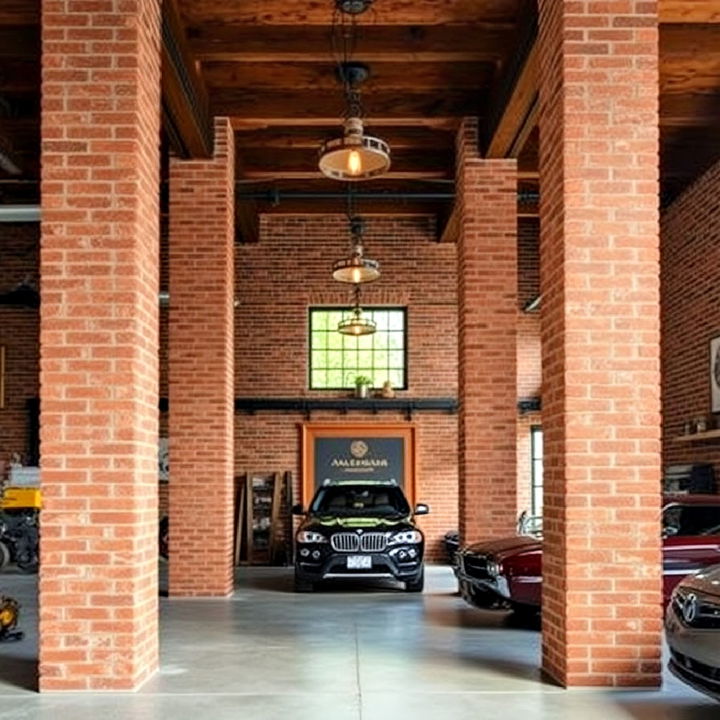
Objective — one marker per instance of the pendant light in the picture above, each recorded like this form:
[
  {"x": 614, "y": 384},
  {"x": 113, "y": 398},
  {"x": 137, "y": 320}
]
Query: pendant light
[
  {"x": 357, "y": 268},
  {"x": 358, "y": 323},
  {"x": 355, "y": 156}
]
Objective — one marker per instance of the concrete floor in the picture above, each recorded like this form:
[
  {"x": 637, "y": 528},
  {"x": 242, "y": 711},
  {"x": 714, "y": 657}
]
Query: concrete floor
[{"x": 345, "y": 653}]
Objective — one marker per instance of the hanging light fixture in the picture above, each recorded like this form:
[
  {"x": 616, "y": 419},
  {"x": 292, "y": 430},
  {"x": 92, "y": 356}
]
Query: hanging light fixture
[
  {"x": 354, "y": 156},
  {"x": 357, "y": 268},
  {"x": 358, "y": 323}
]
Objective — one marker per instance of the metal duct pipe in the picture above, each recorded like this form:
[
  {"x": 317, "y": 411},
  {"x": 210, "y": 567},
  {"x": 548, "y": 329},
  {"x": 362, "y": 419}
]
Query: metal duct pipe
[
  {"x": 19, "y": 213},
  {"x": 31, "y": 213},
  {"x": 277, "y": 196}
]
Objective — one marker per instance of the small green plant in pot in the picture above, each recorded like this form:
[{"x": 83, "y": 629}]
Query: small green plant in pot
[{"x": 363, "y": 383}]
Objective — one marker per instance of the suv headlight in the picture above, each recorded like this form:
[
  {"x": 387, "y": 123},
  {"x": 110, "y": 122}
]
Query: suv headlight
[
  {"x": 310, "y": 536},
  {"x": 407, "y": 537},
  {"x": 494, "y": 568}
]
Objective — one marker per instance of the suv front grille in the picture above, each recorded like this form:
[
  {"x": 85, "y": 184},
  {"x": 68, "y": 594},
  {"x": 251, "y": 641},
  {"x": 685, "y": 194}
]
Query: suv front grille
[
  {"x": 476, "y": 566},
  {"x": 373, "y": 542},
  {"x": 351, "y": 542}
]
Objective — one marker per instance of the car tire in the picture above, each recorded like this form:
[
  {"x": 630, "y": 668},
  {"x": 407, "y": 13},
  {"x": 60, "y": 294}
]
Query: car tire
[
  {"x": 5, "y": 556},
  {"x": 417, "y": 584},
  {"x": 525, "y": 613},
  {"x": 481, "y": 599},
  {"x": 303, "y": 586}
]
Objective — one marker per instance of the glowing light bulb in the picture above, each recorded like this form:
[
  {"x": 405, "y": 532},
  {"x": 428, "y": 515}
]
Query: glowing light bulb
[
  {"x": 356, "y": 275},
  {"x": 356, "y": 330},
  {"x": 354, "y": 163}
]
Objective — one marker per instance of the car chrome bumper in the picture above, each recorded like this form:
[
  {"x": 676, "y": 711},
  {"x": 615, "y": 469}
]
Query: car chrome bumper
[
  {"x": 497, "y": 585},
  {"x": 694, "y": 654},
  {"x": 335, "y": 566}
]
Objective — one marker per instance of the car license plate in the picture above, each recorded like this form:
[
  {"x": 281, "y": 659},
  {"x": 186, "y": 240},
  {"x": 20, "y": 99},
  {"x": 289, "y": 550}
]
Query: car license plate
[{"x": 359, "y": 562}]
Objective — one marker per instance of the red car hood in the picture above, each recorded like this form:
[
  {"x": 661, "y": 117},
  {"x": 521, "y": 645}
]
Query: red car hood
[{"x": 505, "y": 547}]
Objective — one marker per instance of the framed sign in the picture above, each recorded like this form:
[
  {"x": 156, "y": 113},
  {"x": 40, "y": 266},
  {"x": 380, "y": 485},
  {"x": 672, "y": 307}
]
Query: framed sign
[
  {"x": 715, "y": 374},
  {"x": 359, "y": 451}
]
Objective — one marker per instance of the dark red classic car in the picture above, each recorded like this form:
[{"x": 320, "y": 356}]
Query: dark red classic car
[{"x": 507, "y": 573}]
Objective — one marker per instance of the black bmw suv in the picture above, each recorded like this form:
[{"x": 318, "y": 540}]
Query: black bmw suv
[{"x": 359, "y": 529}]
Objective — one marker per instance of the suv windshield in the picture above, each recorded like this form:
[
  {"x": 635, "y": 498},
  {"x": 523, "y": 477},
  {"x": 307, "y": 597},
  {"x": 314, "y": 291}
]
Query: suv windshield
[
  {"x": 358, "y": 500},
  {"x": 692, "y": 520}
]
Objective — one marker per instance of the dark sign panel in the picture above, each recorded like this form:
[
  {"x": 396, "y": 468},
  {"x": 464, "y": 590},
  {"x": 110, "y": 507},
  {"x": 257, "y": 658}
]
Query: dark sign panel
[{"x": 359, "y": 458}]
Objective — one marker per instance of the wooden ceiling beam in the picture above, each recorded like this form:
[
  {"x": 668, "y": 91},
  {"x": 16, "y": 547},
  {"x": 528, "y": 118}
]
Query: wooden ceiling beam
[
  {"x": 690, "y": 110},
  {"x": 253, "y": 105},
  {"x": 309, "y": 174},
  {"x": 689, "y": 11},
  {"x": 514, "y": 105},
  {"x": 274, "y": 76},
  {"x": 689, "y": 40},
  {"x": 310, "y": 138},
  {"x": 185, "y": 110},
  {"x": 381, "y": 43},
  {"x": 20, "y": 12},
  {"x": 302, "y": 12},
  {"x": 242, "y": 124}
]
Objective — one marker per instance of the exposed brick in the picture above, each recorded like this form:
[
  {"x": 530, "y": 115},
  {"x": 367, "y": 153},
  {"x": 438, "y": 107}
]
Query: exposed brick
[
  {"x": 99, "y": 352},
  {"x": 600, "y": 326},
  {"x": 487, "y": 340},
  {"x": 201, "y": 352},
  {"x": 691, "y": 298}
]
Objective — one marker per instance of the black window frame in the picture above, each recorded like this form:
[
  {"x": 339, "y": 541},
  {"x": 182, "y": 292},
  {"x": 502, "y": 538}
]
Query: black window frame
[
  {"x": 346, "y": 313},
  {"x": 537, "y": 484}
]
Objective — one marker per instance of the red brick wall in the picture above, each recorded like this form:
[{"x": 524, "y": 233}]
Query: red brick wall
[
  {"x": 600, "y": 324},
  {"x": 690, "y": 316},
  {"x": 201, "y": 373},
  {"x": 275, "y": 290},
  {"x": 487, "y": 340},
  {"x": 19, "y": 245},
  {"x": 99, "y": 345}
]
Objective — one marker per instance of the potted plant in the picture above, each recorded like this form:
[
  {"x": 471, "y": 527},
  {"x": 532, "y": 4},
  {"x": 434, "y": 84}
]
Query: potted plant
[{"x": 363, "y": 383}]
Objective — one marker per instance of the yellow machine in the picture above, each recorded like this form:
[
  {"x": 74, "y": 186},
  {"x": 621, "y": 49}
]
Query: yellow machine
[
  {"x": 21, "y": 498},
  {"x": 9, "y": 613},
  {"x": 19, "y": 532}
]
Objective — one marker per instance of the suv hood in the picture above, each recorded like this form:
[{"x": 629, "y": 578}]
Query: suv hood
[
  {"x": 506, "y": 546},
  {"x": 336, "y": 523},
  {"x": 706, "y": 581}
]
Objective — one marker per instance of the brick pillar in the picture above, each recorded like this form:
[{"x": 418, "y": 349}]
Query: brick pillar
[
  {"x": 600, "y": 326},
  {"x": 201, "y": 370},
  {"x": 99, "y": 344},
  {"x": 487, "y": 306}
]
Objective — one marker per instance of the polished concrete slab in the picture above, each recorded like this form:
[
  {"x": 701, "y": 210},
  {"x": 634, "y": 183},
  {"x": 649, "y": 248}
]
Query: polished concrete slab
[{"x": 348, "y": 652}]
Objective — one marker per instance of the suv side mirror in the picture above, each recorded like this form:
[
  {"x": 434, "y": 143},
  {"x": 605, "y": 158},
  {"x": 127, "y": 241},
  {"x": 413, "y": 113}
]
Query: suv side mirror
[
  {"x": 298, "y": 509},
  {"x": 421, "y": 509}
]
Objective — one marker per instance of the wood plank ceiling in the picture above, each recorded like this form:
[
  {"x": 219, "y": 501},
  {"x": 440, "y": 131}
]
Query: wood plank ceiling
[{"x": 268, "y": 65}]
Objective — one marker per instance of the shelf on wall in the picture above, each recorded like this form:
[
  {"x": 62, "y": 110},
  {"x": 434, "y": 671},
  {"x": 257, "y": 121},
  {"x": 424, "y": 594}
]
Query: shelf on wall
[
  {"x": 307, "y": 406},
  {"x": 698, "y": 437},
  {"x": 408, "y": 406}
]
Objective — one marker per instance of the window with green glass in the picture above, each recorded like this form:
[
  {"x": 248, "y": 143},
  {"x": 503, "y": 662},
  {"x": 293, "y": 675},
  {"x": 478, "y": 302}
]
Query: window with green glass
[{"x": 336, "y": 359}]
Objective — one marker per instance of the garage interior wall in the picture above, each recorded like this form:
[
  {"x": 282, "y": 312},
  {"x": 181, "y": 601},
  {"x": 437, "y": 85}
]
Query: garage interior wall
[
  {"x": 277, "y": 279},
  {"x": 690, "y": 254}
]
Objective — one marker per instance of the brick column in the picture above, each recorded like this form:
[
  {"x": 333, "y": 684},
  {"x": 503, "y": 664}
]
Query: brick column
[
  {"x": 99, "y": 344},
  {"x": 201, "y": 370},
  {"x": 600, "y": 318},
  {"x": 487, "y": 306}
]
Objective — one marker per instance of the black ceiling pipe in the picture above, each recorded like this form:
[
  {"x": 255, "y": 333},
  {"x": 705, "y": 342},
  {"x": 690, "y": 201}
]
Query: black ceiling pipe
[{"x": 277, "y": 196}]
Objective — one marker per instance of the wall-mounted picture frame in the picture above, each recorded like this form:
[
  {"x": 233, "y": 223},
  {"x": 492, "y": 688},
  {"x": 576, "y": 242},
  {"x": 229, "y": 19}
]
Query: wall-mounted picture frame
[
  {"x": 363, "y": 451},
  {"x": 715, "y": 374},
  {"x": 2, "y": 377}
]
